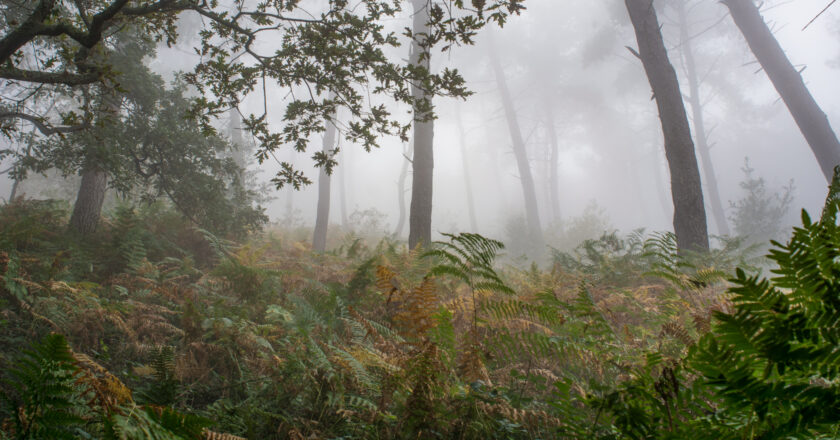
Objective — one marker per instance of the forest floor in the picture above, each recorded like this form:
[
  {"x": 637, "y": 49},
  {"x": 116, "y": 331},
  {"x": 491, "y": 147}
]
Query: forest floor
[{"x": 266, "y": 339}]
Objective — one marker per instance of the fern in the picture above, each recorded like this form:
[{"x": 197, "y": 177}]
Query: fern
[
  {"x": 45, "y": 400},
  {"x": 164, "y": 388},
  {"x": 775, "y": 359}
]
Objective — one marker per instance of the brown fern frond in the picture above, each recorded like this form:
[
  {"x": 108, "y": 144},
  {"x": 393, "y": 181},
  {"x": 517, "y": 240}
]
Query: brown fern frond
[
  {"x": 386, "y": 282},
  {"x": 108, "y": 392},
  {"x": 415, "y": 314},
  {"x": 702, "y": 322},
  {"x": 210, "y": 435},
  {"x": 678, "y": 332},
  {"x": 528, "y": 417}
]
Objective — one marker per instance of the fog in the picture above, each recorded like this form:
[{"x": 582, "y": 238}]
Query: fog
[{"x": 566, "y": 64}]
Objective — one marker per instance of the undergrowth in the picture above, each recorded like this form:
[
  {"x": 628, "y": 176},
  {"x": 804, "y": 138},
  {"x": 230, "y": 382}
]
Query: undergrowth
[{"x": 155, "y": 329}]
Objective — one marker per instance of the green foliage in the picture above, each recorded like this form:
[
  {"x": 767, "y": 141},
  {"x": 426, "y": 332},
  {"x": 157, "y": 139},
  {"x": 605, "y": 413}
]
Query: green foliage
[
  {"x": 774, "y": 358},
  {"x": 469, "y": 258},
  {"x": 51, "y": 397},
  {"x": 163, "y": 389},
  {"x": 759, "y": 216},
  {"x": 45, "y": 399}
]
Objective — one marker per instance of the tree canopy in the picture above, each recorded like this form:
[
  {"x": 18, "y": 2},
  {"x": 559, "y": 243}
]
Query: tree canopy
[{"x": 55, "y": 48}]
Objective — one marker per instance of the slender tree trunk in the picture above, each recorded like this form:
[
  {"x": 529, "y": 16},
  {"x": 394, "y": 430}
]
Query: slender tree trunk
[
  {"x": 342, "y": 189},
  {"x": 13, "y": 193},
  {"x": 88, "y": 207},
  {"x": 700, "y": 138},
  {"x": 554, "y": 163},
  {"x": 420, "y": 216},
  {"x": 811, "y": 120},
  {"x": 401, "y": 193},
  {"x": 322, "y": 217},
  {"x": 529, "y": 191},
  {"x": 466, "y": 164},
  {"x": 686, "y": 189}
]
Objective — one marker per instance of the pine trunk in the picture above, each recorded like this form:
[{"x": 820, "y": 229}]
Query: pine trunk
[
  {"x": 811, "y": 120},
  {"x": 686, "y": 189},
  {"x": 420, "y": 215},
  {"x": 532, "y": 214},
  {"x": 322, "y": 217},
  {"x": 702, "y": 141}
]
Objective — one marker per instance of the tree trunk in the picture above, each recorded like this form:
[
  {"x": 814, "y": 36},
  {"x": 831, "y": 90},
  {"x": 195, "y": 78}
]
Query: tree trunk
[
  {"x": 420, "y": 215},
  {"x": 322, "y": 217},
  {"x": 466, "y": 164},
  {"x": 686, "y": 189},
  {"x": 91, "y": 195},
  {"x": 342, "y": 190},
  {"x": 88, "y": 207},
  {"x": 811, "y": 120},
  {"x": 401, "y": 193},
  {"x": 529, "y": 191},
  {"x": 712, "y": 190},
  {"x": 13, "y": 193},
  {"x": 554, "y": 163}
]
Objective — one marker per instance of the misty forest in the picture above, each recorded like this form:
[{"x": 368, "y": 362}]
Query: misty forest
[{"x": 419, "y": 219}]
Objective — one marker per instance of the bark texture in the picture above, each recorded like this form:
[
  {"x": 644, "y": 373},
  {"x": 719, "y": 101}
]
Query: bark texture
[
  {"x": 712, "y": 191},
  {"x": 811, "y": 120},
  {"x": 532, "y": 214},
  {"x": 322, "y": 217},
  {"x": 686, "y": 189},
  {"x": 88, "y": 207},
  {"x": 423, "y": 163}
]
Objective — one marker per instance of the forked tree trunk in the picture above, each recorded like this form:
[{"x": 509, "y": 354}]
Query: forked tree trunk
[
  {"x": 420, "y": 215},
  {"x": 712, "y": 190},
  {"x": 686, "y": 189},
  {"x": 88, "y": 207},
  {"x": 532, "y": 214},
  {"x": 322, "y": 217},
  {"x": 467, "y": 175},
  {"x": 811, "y": 120}
]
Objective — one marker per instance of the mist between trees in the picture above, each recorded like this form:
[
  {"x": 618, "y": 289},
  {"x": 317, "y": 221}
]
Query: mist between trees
[
  {"x": 556, "y": 122},
  {"x": 228, "y": 219}
]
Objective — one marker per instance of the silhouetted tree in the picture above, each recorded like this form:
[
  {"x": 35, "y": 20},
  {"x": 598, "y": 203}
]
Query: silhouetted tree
[
  {"x": 686, "y": 189},
  {"x": 811, "y": 120},
  {"x": 532, "y": 214}
]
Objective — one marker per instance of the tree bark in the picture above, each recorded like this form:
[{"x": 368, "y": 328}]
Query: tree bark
[
  {"x": 811, "y": 120},
  {"x": 420, "y": 215},
  {"x": 322, "y": 217},
  {"x": 91, "y": 195},
  {"x": 703, "y": 148},
  {"x": 88, "y": 207},
  {"x": 467, "y": 175},
  {"x": 686, "y": 189},
  {"x": 529, "y": 191}
]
